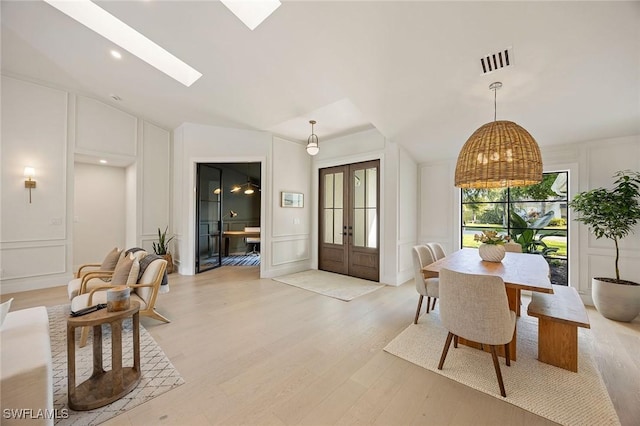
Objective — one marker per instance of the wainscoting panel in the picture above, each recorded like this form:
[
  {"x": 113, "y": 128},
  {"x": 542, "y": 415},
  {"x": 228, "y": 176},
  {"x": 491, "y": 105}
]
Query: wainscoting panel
[
  {"x": 24, "y": 262},
  {"x": 290, "y": 250}
]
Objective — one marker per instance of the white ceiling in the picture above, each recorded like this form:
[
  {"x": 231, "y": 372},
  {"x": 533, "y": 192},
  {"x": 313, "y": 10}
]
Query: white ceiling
[{"x": 409, "y": 69}]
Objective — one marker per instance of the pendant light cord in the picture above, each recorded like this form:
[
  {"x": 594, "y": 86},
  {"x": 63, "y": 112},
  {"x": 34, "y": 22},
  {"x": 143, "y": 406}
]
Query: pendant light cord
[{"x": 495, "y": 104}]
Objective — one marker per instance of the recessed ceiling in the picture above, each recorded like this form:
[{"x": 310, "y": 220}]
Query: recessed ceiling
[{"x": 409, "y": 69}]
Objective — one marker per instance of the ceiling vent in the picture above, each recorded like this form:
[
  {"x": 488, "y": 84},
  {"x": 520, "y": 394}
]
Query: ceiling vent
[{"x": 495, "y": 61}]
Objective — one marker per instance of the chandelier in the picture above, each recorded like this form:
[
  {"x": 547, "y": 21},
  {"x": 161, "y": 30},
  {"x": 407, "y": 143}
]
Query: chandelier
[{"x": 499, "y": 154}]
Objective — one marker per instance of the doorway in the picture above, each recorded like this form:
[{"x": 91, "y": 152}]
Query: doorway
[
  {"x": 208, "y": 217},
  {"x": 349, "y": 224}
]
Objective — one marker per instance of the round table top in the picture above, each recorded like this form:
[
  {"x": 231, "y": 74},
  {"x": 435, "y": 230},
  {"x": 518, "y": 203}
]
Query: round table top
[{"x": 102, "y": 316}]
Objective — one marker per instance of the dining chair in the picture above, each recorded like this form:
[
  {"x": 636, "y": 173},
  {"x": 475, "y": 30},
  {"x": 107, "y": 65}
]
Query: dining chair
[
  {"x": 512, "y": 247},
  {"x": 424, "y": 286},
  {"x": 437, "y": 250},
  {"x": 475, "y": 307}
]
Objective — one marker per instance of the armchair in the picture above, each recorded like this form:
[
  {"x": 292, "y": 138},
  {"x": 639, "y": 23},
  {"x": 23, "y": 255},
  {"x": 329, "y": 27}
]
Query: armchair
[{"x": 145, "y": 291}]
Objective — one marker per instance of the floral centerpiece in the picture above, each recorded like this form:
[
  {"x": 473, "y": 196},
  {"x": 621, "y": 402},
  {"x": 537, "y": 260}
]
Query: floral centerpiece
[
  {"x": 492, "y": 247},
  {"x": 491, "y": 237}
]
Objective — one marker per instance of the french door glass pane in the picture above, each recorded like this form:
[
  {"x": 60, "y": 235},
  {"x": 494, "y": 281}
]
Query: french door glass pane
[
  {"x": 372, "y": 187},
  {"x": 337, "y": 226},
  {"x": 359, "y": 229},
  {"x": 328, "y": 191},
  {"x": 339, "y": 192},
  {"x": 359, "y": 189},
  {"x": 328, "y": 226},
  {"x": 372, "y": 225}
]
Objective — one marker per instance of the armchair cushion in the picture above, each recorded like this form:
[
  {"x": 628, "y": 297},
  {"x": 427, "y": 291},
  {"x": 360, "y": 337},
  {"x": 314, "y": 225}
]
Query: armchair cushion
[
  {"x": 111, "y": 259},
  {"x": 126, "y": 271}
]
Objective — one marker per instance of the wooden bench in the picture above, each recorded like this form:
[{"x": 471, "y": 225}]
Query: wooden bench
[{"x": 559, "y": 316}]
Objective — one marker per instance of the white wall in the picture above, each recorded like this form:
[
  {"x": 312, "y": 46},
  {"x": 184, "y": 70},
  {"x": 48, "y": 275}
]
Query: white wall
[
  {"x": 591, "y": 164},
  {"x": 290, "y": 238},
  {"x": 45, "y": 128},
  {"x": 34, "y": 236},
  {"x": 99, "y": 212},
  {"x": 195, "y": 143}
]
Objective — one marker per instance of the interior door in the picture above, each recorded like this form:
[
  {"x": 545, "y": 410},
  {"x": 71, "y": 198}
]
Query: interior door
[
  {"x": 349, "y": 220},
  {"x": 208, "y": 217}
]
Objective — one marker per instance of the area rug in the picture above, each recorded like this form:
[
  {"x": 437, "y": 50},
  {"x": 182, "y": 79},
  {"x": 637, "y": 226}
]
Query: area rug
[
  {"x": 554, "y": 393},
  {"x": 241, "y": 260},
  {"x": 158, "y": 374},
  {"x": 338, "y": 286}
]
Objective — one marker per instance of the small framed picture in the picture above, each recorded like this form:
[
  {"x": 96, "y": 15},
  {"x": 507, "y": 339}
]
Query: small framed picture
[{"x": 291, "y": 199}]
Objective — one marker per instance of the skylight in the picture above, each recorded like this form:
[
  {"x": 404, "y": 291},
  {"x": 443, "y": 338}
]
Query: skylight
[
  {"x": 252, "y": 12},
  {"x": 102, "y": 22}
]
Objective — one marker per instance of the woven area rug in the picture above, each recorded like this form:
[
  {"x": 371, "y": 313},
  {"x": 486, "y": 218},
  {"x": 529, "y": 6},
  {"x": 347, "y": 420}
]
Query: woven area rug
[
  {"x": 158, "y": 374},
  {"x": 241, "y": 260},
  {"x": 554, "y": 393},
  {"x": 338, "y": 286}
]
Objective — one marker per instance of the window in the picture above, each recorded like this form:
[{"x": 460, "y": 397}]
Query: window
[{"x": 534, "y": 216}]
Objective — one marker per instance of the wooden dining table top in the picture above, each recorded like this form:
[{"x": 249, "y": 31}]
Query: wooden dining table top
[{"x": 520, "y": 271}]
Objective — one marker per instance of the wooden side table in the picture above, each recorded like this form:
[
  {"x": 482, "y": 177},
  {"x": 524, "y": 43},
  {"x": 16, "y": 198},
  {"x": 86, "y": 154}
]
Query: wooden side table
[{"x": 103, "y": 387}]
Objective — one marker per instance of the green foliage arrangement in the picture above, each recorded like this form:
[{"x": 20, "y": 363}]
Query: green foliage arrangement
[
  {"x": 162, "y": 246},
  {"x": 491, "y": 237},
  {"x": 530, "y": 236},
  {"x": 611, "y": 213}
]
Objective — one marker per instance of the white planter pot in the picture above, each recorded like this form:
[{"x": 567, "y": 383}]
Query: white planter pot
[
  {"x": 616, "y": 301},
  {"x": 491, "y": 252}
]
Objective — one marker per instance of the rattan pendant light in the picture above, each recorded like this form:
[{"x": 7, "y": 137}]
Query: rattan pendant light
[{"x": 499, "y": 154}]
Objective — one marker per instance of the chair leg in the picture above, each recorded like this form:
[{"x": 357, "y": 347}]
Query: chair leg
[
  {"x": 418, "y": 310},
  {"x": 455, "y": 341},
  {"x": 428, "y": 303},
  {"x": 496, "y": 365},
  {"x": 445, "y": 350},
  {"x": 507, "y": 355},
  {"x": 157, "y": 316},
  {"x": 434, "y": 303}
]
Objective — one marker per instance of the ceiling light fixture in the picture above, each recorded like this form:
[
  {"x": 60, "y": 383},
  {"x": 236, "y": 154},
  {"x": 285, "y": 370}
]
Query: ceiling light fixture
[
  {"x": 103, "y": 161},
  {"x": 499, "y": 154},
  {"x": 102, "y": 22},
  {"x": 312, "y": 141},
  {"x": 116, "y": 54},
  {"x": 251, "y": 12}
]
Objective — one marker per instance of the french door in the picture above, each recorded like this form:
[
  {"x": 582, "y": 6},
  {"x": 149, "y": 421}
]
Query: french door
[
  {"x": 208, "y": 217},
  {"x": 349, "y": 220}
]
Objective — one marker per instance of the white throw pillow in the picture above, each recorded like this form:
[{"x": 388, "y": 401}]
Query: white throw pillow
[{"x": 4, "y": 310}]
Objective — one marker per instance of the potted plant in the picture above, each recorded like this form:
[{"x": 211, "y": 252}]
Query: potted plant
[
  {"x": 492, "y": 247},
  {"x": 161, "y": 248},
  {"x": 612, "y": 213}
]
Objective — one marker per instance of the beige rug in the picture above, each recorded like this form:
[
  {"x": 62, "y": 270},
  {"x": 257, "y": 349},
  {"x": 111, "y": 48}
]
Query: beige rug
[
  {"x": 559, "y": 395},
  {"x": 158, "y": 374},
  {"x": 329, "y": 284}
]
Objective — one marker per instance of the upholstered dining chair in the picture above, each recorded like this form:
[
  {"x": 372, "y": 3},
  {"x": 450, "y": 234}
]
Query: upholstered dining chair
[
  {"x": 425, "y": 287},
  {"x": 437, "y": 250},
  {"x": 145, "y": 291},
  {"x": 475, "y": 307},
  {"x": 512, "y": 247}
]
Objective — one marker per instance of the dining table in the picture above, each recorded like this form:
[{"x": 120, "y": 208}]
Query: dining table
[{"x": 519, "y": 271}]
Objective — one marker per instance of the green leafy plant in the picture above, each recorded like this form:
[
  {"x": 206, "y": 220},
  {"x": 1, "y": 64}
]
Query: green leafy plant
[
  {"x": 162, "y": 246},
  {"x": 491, "y": 237},
  {"x": 611, "y": 213},
  {"x": 530, "y": 236}
]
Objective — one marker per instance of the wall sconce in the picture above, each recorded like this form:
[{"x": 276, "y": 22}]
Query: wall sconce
[{"x": 29, "y": 173}]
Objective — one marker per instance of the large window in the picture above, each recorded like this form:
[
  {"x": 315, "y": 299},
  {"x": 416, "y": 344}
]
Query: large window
[{"x": 534, "y": 216}]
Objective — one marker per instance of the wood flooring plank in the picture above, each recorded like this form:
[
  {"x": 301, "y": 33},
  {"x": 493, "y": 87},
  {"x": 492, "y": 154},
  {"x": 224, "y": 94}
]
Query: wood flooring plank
[{"x": 256, "y": 351}]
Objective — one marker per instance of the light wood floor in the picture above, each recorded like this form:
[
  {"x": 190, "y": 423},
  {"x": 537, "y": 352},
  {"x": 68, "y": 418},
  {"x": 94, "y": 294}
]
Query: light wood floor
[{"x": 256, "y": 351}]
